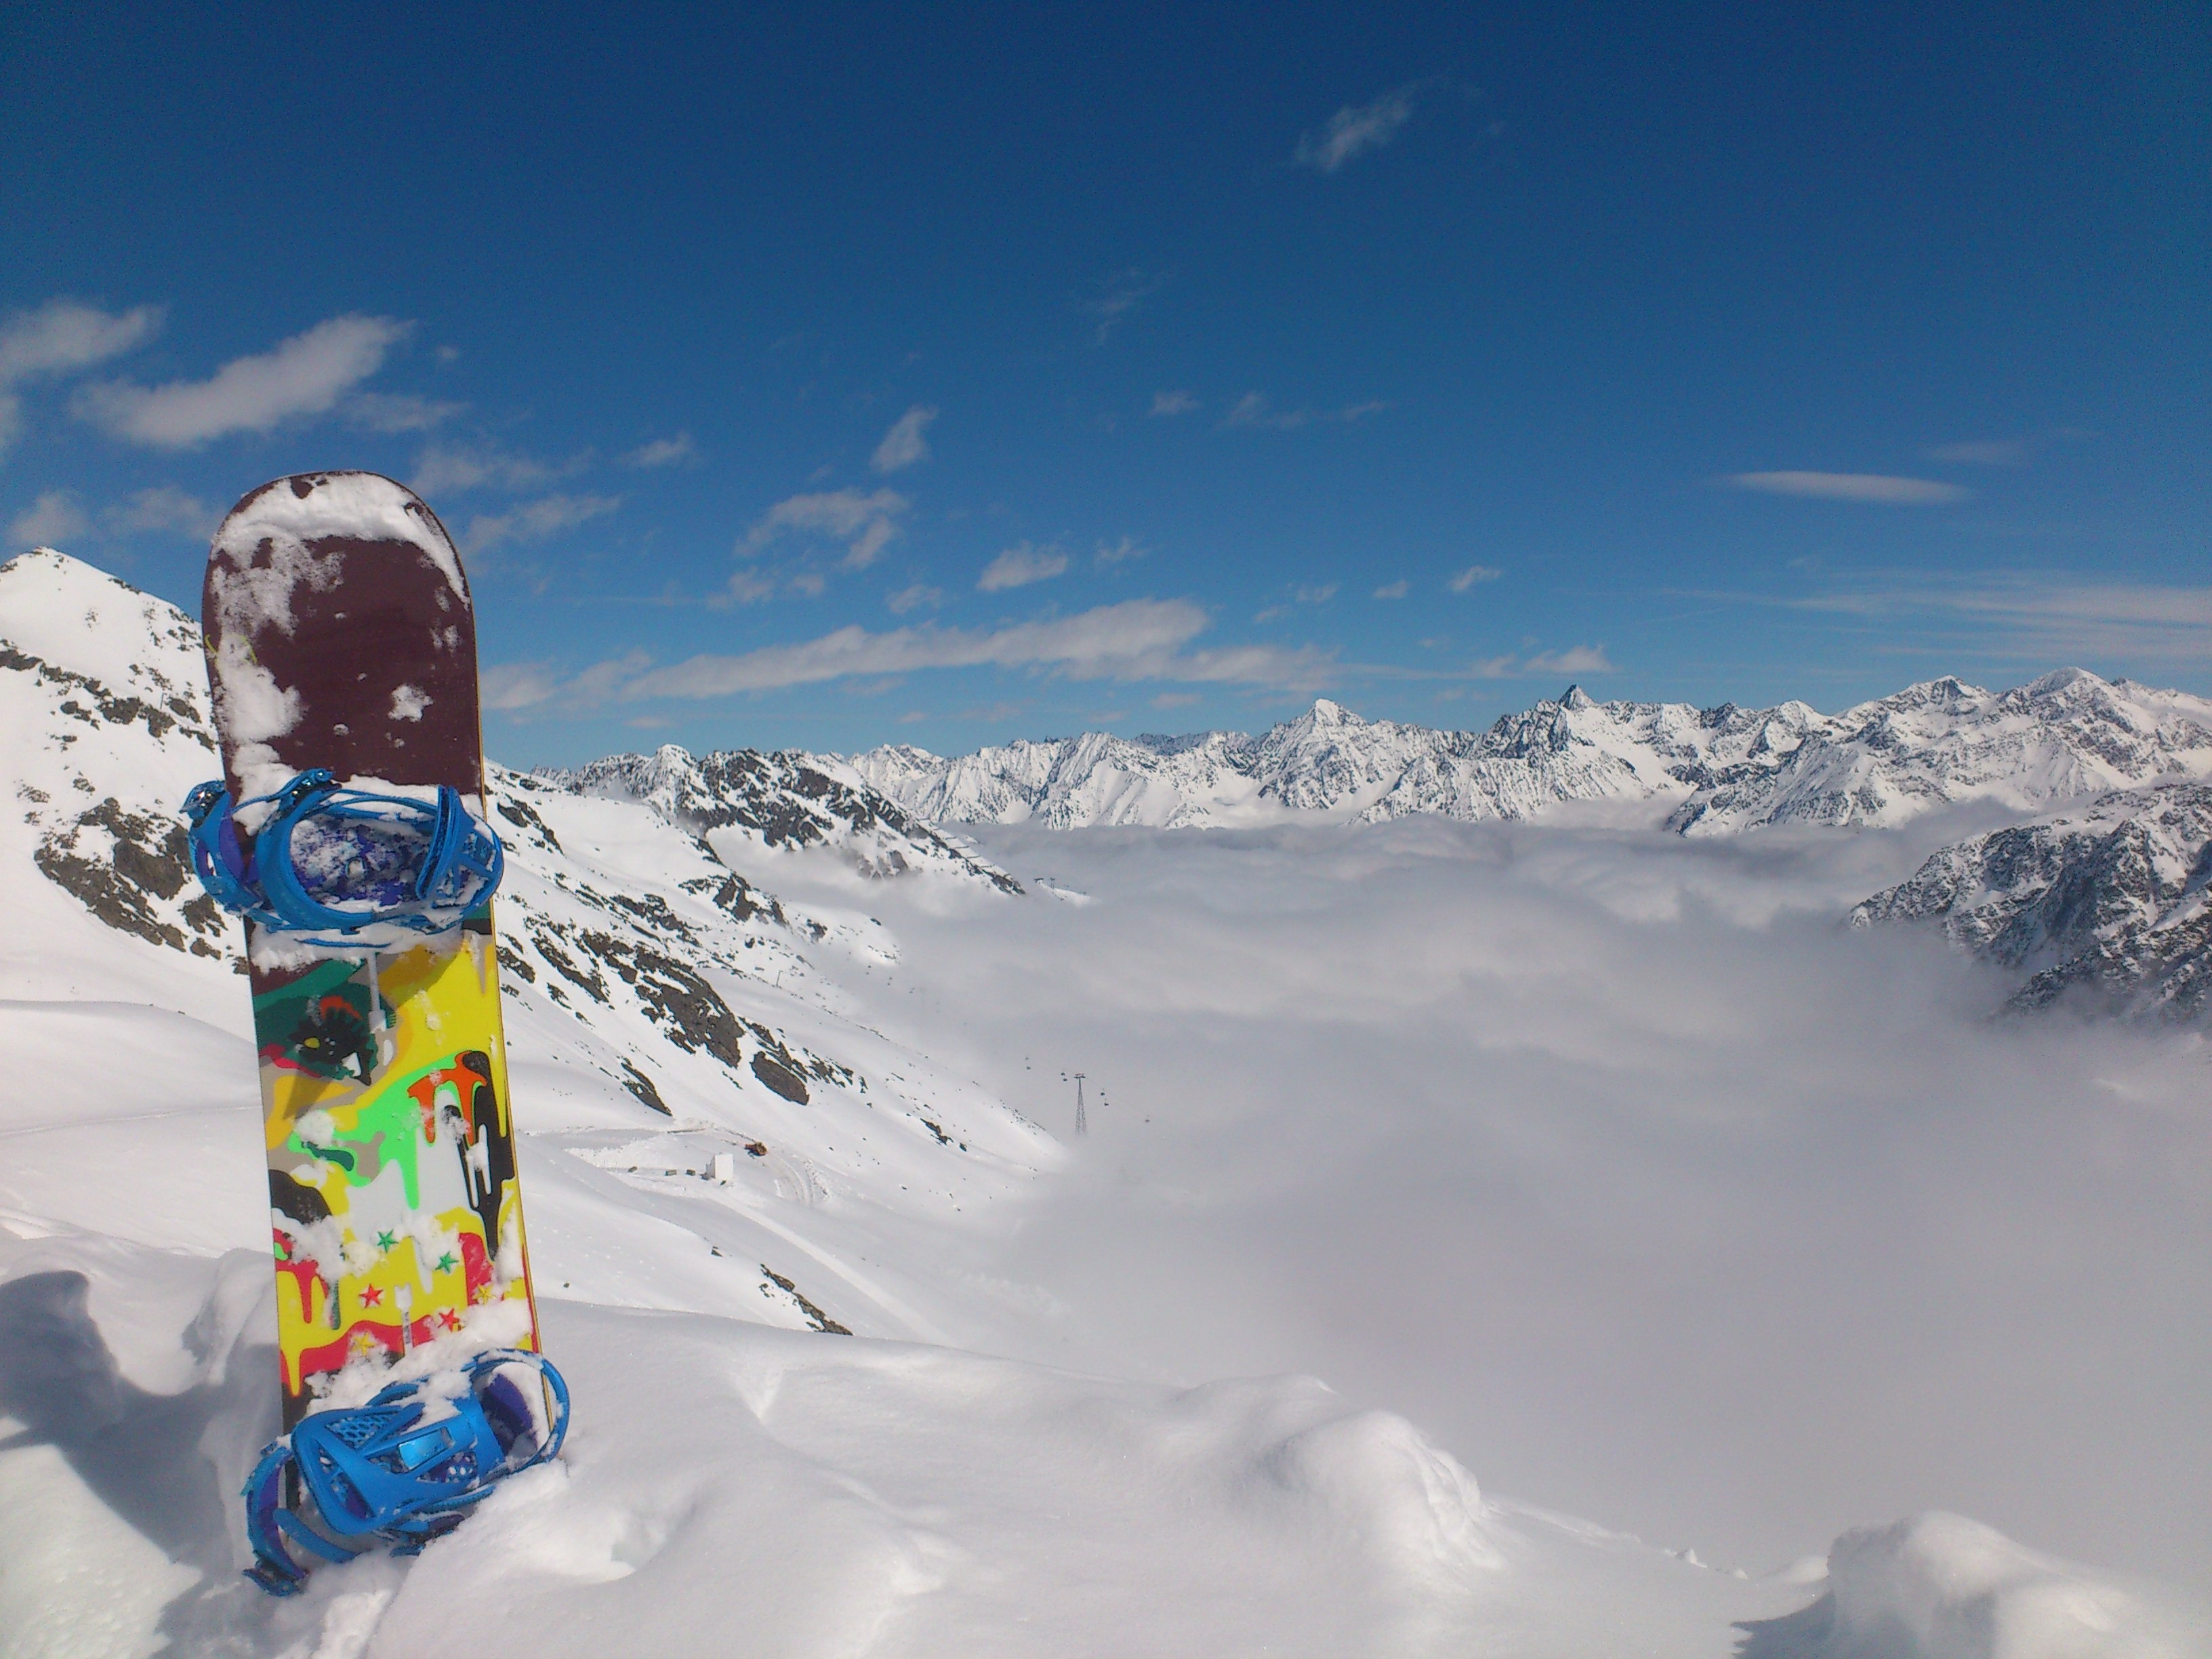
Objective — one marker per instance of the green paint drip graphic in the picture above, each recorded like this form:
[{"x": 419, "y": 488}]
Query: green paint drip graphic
[{"x": 384, "y": 1130}]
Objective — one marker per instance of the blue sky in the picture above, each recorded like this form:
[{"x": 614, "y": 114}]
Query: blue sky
[{"x": 826, "y": 376}]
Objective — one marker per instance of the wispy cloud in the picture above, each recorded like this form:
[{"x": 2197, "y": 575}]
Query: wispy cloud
[
  {"x": 1397, "y": 590},
  {"x": 1134, "y": 641},
  {"x": 906, "y": 442},
  {"x": 1113, "y": 553},
  {"x": 383, "y": 411},
  {"x": 864, "y": 523},
  {"x": 58, "y": 337},
  {"x": 304, "y": 375},
  {"x": 1575, "y": 660},
  {"x": 1356, "y": 129},
  {"x": 1463, "y": 580},
  {"x": 1019, "y": 565},
  {"x": 1177, "y": 699},
  {"x": 448, "y": 470},
  {"x": 663, "y": 452},
  {"x": 747, "y": 585},
  {"x": 1254, "y": 410},
  {"x": 532, "y": 521},
  {"x": 164, "y": 507},
  {"x": 1877, "y": 487},
  {"x": 1120, "y": 294},
  {"x": 913, "y": 598},
  {"x": 1314, "y": 593},
  {"x": 2047, "y": 617},
  {"x": 1173, "y": 403},
  {"x": 52, "y": 518},
  {"x": 505, "y": 687},
  {"x": 59, "y": 516}
]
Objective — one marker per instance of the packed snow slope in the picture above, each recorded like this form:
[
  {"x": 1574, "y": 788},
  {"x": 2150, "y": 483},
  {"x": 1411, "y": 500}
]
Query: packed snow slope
[
  {"x": 812, "y": 1413},
  {"x": 1710, "y": 771}
]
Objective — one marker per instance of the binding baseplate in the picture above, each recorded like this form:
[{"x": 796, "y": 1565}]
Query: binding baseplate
[
  {"x": 333, "y": 865},
  {"x": 402, "y": 1469}
]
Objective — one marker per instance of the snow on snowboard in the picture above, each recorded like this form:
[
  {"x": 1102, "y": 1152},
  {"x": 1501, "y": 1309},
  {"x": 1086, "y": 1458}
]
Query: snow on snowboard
[{"x": 348, "y": 828}]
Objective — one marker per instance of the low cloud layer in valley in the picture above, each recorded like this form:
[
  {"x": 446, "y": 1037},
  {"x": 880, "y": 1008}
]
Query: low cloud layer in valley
[{"x": 1615, "y": 1161}]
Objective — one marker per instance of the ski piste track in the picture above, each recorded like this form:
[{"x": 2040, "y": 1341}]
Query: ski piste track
[{"x": 739, "y": 1478}]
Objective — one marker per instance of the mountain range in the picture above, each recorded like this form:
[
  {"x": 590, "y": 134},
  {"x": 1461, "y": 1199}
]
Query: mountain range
[
  {"x": 2101, "y": 890},
  {"x": 1699, "y": 771}
]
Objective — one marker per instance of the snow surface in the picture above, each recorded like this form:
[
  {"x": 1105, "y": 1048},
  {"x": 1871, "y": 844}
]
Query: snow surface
[{"x": 1466, "y": 1117}]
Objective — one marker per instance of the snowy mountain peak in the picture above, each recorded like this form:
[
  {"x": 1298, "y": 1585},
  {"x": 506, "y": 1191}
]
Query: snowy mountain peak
[
  {"x": 76, "y": 617},
  {"x": 1716, "y": 770},
  {"x": 778, "y": 802}
]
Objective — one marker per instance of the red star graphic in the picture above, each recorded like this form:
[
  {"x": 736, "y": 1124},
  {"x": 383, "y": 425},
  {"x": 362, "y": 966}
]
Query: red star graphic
[{"x": 370, "y": 1296}]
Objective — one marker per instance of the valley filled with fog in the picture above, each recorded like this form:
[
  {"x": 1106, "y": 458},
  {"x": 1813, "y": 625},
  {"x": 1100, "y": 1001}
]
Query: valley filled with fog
[{"x": 1614, "y": 1160}]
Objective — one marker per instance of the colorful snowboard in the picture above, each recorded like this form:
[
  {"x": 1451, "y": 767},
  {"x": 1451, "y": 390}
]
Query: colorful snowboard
[{"x": 339, "y": 634}]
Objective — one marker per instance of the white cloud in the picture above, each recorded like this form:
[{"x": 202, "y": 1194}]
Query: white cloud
[
  {"x": 1173, "y": 403},
  {"x": 906, "y": 442},
  {"x": 448, "y": 469},
  {"x": 531, "y": 521},
  {"x": 1575, "y": 660},
  {"x": 65, "y": 334},
  {"x": 165, "y": 508},
  {"x": 1397, "y": 590},
  {"x": 1019, "y": 565},
  {"x": 2119, "y": 625},
  {"x": 58, "y": 337},
  {"x": 1136, "y": 640},
  {"x": 745, "y": 586},
  {"x": 1122, "y": 294},
  {"x": 913, "y": 598},
  {"x": 505, "y": 687},
  {"x": 1315, "y": 593},
  {"x": 663, "y": 452},
  {"x": 1254, "y": 410},
  {"x": 54, "y": 518},
  {"x": 1461, "y": 580},
  {"x": 382, "y": 411},
  {"x": 306, "y": 375},
  {"x": 1177, "y": 699},
  {"x": 1873, "y": 487},
  {"x": 1355, "y": 131},
  {"x": 864, "y": 523},
  {"x": 1113, "y": 553}
]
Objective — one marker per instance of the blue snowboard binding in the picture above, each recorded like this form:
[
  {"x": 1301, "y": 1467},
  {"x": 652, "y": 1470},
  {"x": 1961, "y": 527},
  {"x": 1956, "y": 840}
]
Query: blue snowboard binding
[
  {"x": 341, "y": 868},
  {"x": 401, "y": 1470}
]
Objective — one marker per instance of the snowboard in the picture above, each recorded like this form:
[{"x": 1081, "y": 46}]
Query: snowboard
[{"x": 339, "y": 634}]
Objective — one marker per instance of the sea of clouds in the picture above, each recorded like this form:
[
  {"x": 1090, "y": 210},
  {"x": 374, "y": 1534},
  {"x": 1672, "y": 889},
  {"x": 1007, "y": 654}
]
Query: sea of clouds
[{"x": 1616, "y": 1162}]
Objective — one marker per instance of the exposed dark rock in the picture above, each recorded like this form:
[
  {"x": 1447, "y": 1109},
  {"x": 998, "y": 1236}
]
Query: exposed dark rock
[
  {"x": 641, "y": 1086},
  {"x": 815, "y": 1316}
]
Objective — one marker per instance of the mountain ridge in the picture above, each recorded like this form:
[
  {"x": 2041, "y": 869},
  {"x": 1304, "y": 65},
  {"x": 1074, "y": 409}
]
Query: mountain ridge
[{"x": 1703, "y": 771}]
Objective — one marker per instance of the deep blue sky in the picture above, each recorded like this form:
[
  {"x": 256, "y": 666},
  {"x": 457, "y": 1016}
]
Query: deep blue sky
[{"x": 1735, "y": 352}]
